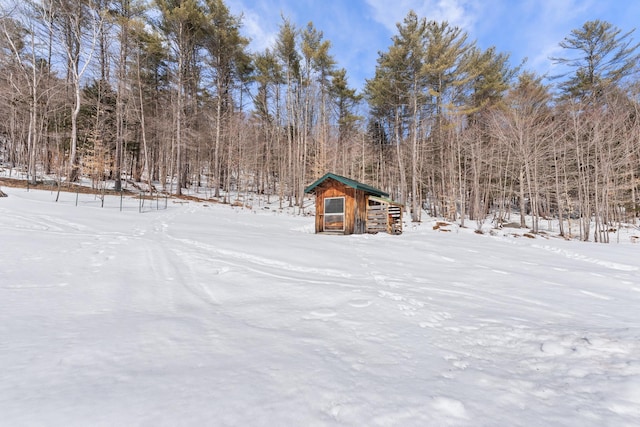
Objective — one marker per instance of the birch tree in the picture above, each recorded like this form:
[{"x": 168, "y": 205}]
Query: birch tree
[
  {"x": 522, "y": 129},
  {"x": 76, "y": 27},
  {"x": 22, "y": 46},
  {"x": 287, "y": 52}
]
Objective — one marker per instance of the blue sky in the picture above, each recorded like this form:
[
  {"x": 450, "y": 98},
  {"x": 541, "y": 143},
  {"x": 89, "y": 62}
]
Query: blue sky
[{"x": 359, "y": 29}]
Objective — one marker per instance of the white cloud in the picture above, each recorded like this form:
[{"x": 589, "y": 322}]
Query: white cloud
[
  {"x": 260, "y": 22},
  {"x": 462, "y": 13},
  {"x": 261, "y": 37},
  {"x": 550, "y": 22}
]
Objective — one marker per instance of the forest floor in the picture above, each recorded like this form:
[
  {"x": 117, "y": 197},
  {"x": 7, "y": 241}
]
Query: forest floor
[
  {"x": 52, "y": 185},
  {"x": 83, "y": 188}
]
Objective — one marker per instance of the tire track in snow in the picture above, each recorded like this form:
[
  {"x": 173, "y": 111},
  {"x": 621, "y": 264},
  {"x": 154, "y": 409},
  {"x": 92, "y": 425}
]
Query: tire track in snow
[
  {"x": 573, "y": 255},
  {"x": 259, "y": 260}
]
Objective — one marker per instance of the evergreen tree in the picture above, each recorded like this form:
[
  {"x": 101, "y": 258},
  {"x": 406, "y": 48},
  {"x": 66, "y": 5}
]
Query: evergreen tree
[
  {"x": 226, "y": 48},
  {"x": 287, "y": 52},
  {"x": 599, "y": 56},
  {"x": 182, "y": 22}
]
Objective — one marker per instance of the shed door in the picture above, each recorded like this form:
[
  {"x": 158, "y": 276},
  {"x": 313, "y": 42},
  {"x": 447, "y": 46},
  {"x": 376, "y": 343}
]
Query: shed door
[{"x": 334, "y": 214}]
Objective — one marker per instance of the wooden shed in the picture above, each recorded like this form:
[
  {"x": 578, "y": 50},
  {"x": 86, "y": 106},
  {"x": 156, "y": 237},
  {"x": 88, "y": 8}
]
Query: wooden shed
[{"x": 345, "y": 206}]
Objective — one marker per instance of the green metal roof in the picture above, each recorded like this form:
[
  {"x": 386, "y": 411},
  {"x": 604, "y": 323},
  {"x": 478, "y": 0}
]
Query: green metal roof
[
  {"x": 386, "y": 200},
  {"x": 348, "y": 182}
]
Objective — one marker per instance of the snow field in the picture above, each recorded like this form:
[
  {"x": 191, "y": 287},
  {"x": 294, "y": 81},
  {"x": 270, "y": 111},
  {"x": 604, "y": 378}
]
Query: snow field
[{"x": 203, "y": 314}]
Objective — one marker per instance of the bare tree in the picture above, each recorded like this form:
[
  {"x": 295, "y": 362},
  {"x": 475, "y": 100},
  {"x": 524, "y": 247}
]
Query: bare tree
[{"x": 76, "y": 28}]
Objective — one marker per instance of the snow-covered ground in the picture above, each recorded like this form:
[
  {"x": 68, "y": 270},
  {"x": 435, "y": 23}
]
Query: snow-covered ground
[{"x": 203, "y": 314}]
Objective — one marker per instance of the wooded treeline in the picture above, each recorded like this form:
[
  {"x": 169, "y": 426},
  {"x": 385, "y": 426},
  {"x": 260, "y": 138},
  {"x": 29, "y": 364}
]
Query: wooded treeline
[{"x": 167, "y": 93}]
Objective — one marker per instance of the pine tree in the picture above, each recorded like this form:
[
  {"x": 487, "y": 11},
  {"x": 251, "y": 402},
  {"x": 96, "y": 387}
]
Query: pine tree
[
  {"x": 227, "y": 56},
  {"x": 600, "y": 56},
  {"x": 182, "y": 22}
]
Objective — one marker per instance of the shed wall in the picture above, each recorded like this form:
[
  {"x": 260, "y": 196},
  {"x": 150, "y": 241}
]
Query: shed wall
[
  {"x": 355, "y": 214},
  {"x": 360, "y": 213}
]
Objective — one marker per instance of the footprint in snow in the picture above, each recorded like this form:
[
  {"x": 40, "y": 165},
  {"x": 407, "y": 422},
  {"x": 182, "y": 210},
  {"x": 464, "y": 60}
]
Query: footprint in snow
[
  {"x": 321, "y": 313},
  {"x": 449, "y": 407},
  {"x": 359, "y": 303}
]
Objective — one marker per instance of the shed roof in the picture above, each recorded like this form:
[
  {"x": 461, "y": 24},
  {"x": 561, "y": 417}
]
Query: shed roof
[
  {"x": 348, "y": 182},
  {"x": 386, "y": 200}
]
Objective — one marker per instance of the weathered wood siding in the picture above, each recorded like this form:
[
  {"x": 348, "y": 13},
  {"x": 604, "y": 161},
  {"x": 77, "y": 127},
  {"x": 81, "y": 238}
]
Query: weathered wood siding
[
  {"x": 360, "y": 214},
  {"x": 384, "y": 217},
  {"x": 355, "y": 206}
]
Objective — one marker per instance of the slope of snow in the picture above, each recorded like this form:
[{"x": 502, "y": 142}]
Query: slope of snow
[{"x": 203, "y": 314}]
